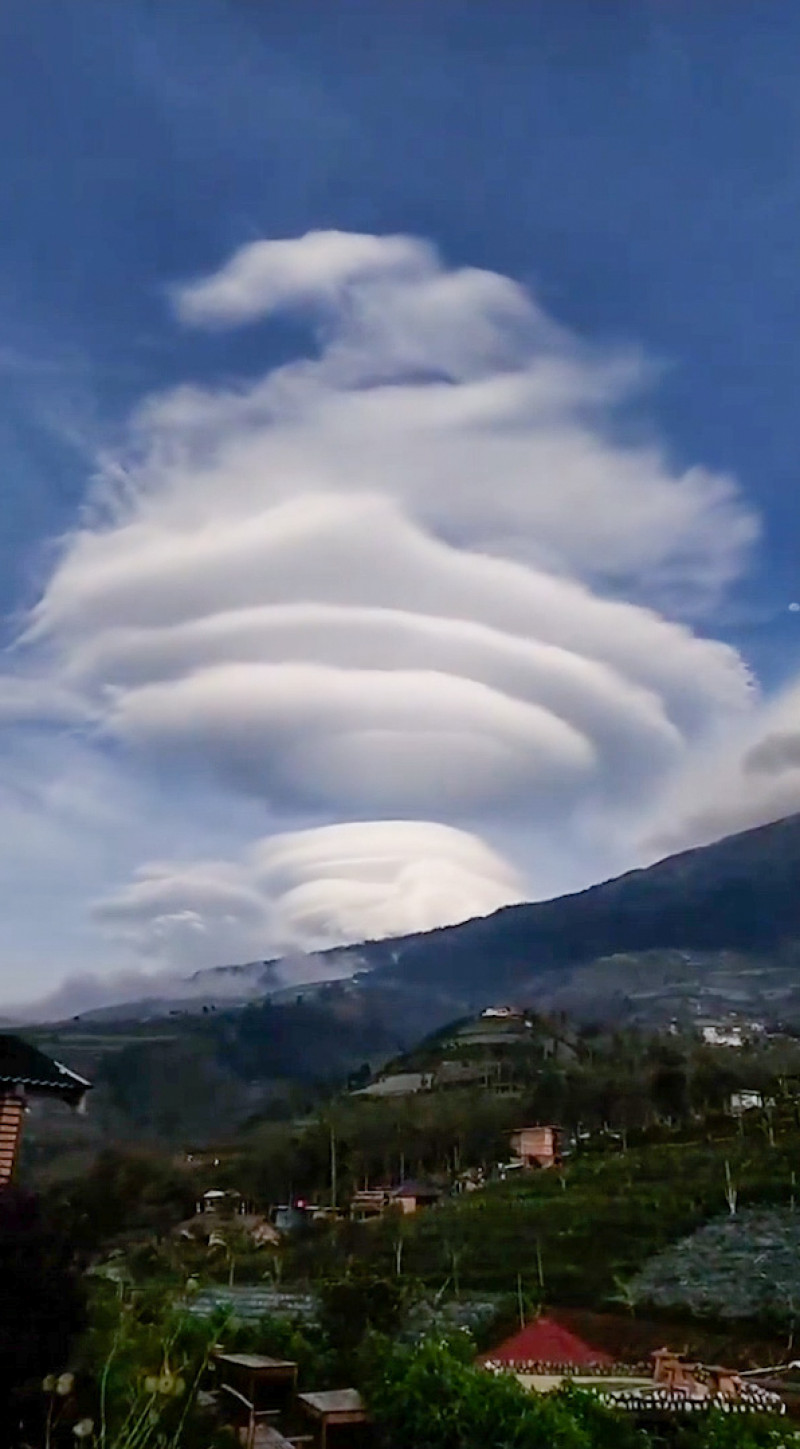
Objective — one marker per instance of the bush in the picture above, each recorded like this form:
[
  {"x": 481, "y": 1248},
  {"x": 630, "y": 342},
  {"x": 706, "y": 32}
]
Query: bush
[
  {"x": 720, "y": 1431},
  {"x": 358, "y": 1304},
  {"x": 303, "y": 1343},
  {"x": 432, "y": 1397},
  {"x": 42, "y": 1305}
]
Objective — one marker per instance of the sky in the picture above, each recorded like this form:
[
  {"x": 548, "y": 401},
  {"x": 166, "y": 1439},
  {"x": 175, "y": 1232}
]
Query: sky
[{"x": 399, "y": 510}]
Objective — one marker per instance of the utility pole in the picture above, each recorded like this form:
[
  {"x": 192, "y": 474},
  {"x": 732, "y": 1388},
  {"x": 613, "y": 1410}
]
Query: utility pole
[{"x": 333, "y": 1168}]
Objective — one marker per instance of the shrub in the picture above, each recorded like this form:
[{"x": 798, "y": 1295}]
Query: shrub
[
  {"x": 357, "y": 1304},
  {"x": 721, "y": 1431},
  {"x": 431, "y": 1396}
]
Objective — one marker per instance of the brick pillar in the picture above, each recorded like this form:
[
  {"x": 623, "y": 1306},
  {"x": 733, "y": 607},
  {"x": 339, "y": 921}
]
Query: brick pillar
[{"x": 12, "y": 1110}]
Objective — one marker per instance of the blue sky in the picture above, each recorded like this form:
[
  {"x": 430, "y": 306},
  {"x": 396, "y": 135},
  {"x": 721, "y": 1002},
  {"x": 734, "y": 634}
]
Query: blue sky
[{"x": 634, "y": 165}]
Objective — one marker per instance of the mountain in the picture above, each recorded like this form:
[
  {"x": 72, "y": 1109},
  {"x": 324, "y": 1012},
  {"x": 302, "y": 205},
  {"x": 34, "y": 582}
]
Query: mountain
[
  {"x": 193, "y": 1077},
  {"x": 721, "y": 922},
  {"x": 740, "y": 894}
]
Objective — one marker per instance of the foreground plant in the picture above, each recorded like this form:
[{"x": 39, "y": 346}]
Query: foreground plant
[
  {"x": 721, "y": 1431},
  {"x": 141, "y": 1369}
]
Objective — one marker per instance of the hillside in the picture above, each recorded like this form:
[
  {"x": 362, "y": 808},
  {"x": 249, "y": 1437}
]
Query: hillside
[{"x": 198, "y": 1078}]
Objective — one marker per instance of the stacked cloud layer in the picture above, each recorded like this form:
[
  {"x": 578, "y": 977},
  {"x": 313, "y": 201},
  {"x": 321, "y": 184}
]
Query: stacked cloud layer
[{"x": 420, "y": 577}]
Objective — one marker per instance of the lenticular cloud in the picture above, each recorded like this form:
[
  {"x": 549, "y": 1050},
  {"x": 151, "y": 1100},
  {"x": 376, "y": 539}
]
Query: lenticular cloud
[
  {"x": 414, "y": 574},
  {"x": 310, "y": 890}
]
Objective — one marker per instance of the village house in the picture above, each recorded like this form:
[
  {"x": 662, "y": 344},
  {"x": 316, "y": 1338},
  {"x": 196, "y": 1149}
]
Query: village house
[
  {"x": 409, "y": 1196},
  {"x": 223, "y": 1202},
  {"x": 25, "y": 1072},
  {"x": 731, "y": 1032},
  {"x": 472, "y": 1180},
  {"x": 536, "y": 1147},
  {"x": 547, "y": 1347}
]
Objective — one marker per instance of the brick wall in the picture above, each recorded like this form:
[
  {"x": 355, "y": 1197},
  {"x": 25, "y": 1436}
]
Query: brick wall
[{"x": 12, "y": 1109}]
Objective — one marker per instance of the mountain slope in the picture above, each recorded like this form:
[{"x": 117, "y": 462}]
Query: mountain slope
[{"x": 741, "y": 894}]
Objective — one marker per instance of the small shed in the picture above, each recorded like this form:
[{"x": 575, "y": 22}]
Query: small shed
[
  {"x": 26, "y": 1072},
  {"x": 368, "y": 1203},
  {"x": 222, "y": 1202},
  {"x": 746, "y": 1100}
]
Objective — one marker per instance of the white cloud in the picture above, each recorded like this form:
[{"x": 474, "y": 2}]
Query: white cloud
[
  {"x": 35, "y": 700},
  {"x": 421, "y": 572},
  {"x": 748, "y": 780},
  {"x": 327, "y": 651},
  {"x": 309, "y": 890},
  {"x": 270, "y": 275}
]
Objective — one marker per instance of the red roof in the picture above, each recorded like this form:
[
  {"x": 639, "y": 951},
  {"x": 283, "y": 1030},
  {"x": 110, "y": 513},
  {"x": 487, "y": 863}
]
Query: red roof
[{"x": 545, "y": 1341}]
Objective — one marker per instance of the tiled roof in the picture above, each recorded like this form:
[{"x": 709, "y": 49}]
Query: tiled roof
[{"x": 23, "y": 1065}]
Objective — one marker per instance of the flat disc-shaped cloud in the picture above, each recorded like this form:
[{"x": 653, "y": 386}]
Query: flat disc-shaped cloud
[
  {"x": 373, "y": 740},
  {"x": 331, "y": 635}
]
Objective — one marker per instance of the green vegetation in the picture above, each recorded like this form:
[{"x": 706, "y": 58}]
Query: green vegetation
[
  {"x": 428, "y": 1395},
  {"x": 137, "y": 1380},
  {"x": 653, "y": 1157},
  {"x": 578, "y": 1236}
]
